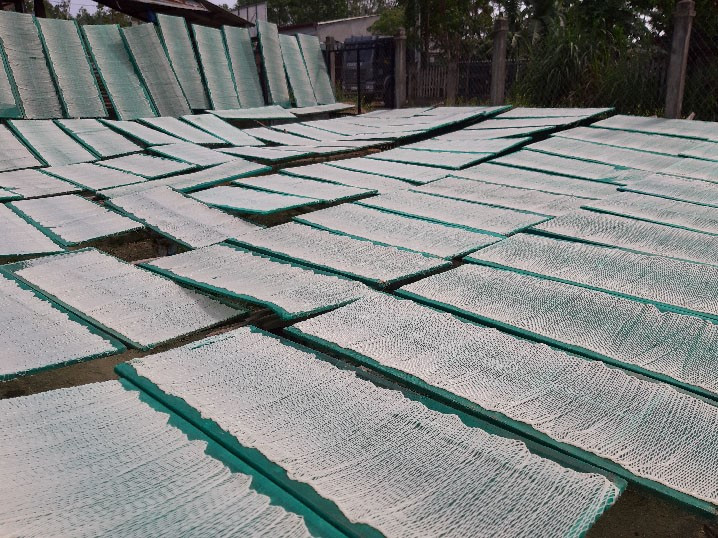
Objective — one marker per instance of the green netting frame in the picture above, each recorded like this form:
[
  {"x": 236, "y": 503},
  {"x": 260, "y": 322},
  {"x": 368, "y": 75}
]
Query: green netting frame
[
  {"x": 153, "y": 65},
  {"x": 215, "y": 66},
  {"x": 69, "y": 64},
  {"x": 274, "y": 75},
  {"x": 281, "y": 312},
  {"x": 262, "y": 482},
  {"x": 303, "y": 491},
  {"x": 178, "y": 45},
  {"x": 50, "y": 229},
  {"x": 317, "y": 69},
  {"x": 244, "y": 67},
  {"x": 50, "y": 143},
  {"x": 296, "y": 72},
  {"x": 118, "y": 346},
  {"x": 9, "y": 98},
  {"x": 127, "y": 93},
  {"x": 11, "y": 270},
  {"x": 27, "y": 66}
]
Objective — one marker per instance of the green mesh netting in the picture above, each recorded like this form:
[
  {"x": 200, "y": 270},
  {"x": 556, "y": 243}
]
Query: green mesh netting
[
  {"x": 215, "y": 66},
  {"x": 27, "y": 65},
  {"x": 126, "y": 91},
  {"x": 296, "y": 72},
  {"x": 271, "y": 52},
  {"x": 154, "y": 67},
  {"x": 244, "y": 66},
  {"x": 317, "y": 69},
  {"x": 68, "y": 61},
  {"x": 178, "y": 45}
]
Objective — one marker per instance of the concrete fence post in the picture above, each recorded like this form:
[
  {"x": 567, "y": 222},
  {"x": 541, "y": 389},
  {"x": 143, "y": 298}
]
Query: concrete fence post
[
  {"x": 498, "y": 62},
  {"x": 332, "y": 56},
  {"x": 676, "y": 79},
  {"x": 400, "y": 69}
]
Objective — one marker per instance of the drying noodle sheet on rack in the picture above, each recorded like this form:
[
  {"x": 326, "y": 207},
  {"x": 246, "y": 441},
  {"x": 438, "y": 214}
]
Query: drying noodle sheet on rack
[
  {"x": 216, "y": 68},
  {"x": 26, "y": 64},
  {"x": 178, "y": 44},
  {"x": 39, "y": 335},
  {"x": 139, "y": 307},
  {"x": 412, "y": 471},
  {"x": 99, "y": 138},
  {"x": 72, "y": 220},
  {"x": 244, "y": 66},
  {"x": 180, "y": 218},
  {"x": 289, "y": 290},
  {"x": 672, "y": 284},
  {"x": 125, "y": 90},
  {"x": 71, "y": 68},
  {"x": 95, "y": 449},
  {"x": 604, "y": 412},
  {"x": 150, "y": 59}
]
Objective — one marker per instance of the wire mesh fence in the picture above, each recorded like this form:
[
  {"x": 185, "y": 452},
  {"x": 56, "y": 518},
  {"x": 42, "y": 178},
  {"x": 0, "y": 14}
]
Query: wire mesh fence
[
  {"x": 569, "y": 62},
  {"x": 701, "y": 90}
]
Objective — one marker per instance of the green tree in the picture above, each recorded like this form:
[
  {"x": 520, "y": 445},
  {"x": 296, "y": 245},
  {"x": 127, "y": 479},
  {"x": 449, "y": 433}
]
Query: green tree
[
  {"x": 286, "y": 12},
  {"x": 454, "y": 30},
  {"x": 390, "y": 20},
  {"x": 103, "y": 15}
]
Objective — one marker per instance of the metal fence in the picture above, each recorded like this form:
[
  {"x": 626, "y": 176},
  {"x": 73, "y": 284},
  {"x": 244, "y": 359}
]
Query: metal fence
[{"x": 363, "y": 72}]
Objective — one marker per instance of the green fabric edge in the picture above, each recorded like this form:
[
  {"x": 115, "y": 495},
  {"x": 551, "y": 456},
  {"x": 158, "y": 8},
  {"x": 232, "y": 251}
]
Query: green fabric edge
[
  {"x": 12, "y": 269},
  {"x": 118, "y": 346},
  {"x": 657, "y": 304},
  {"x": 261, "y": 484},
  {"x": 366, "y": 280},
  {"x": 283, "y": 314},
  {"x": 58, "y": 239}
]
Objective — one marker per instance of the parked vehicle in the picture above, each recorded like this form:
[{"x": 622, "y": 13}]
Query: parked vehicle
[{"x": 376, "y": 67}]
